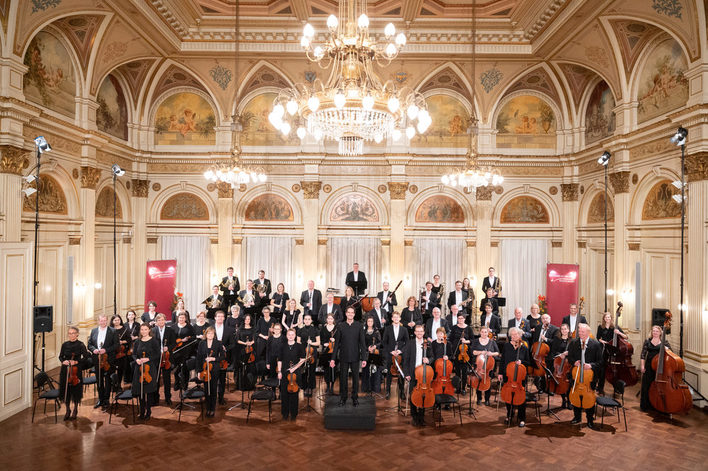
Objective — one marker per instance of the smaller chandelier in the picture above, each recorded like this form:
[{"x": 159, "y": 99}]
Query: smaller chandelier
[
  {"x": 235, "y": 174},
  {"x": 472, "y": 175}
]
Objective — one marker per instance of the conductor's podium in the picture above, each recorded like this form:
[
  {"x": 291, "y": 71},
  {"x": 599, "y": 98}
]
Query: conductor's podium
[{"x": 348, "y": 417}]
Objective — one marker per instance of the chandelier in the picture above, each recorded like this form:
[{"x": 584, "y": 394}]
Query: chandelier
[{"x": 353, "y": 105}]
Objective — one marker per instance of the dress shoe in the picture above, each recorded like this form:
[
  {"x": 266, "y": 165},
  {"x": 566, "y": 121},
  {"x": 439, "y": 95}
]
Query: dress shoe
[
  {"x": 575, "y": 422},
  {"x": 342, "y": 402},
  {"x": 168, "y": 402},
  {"x": 355, "y": 402},
  {"x": 75, "y": 413},
  {"x": 98, "y": 404},
  {"x": 388, "y": 395},
  {"x": 479, "y": 401},
  {"x": 591, "y": 425},
  {"x": 222, "y": 401},
  {"x": 486, "y": 403},
  {"x": 147, "y": 415},
  {"x": 67, "y": 416},
  {"x": 141, "y": 416}
]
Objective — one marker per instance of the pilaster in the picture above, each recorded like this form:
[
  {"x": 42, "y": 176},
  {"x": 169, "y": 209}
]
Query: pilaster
[
  {"x": 140, "y": 246},
  {"x": 12, "y": 161},
  {"x": 310, "y": 221}
]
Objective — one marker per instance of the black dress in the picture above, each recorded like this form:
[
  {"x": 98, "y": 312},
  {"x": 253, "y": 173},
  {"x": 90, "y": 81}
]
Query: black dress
[
  {"x": 371, "y": 375},
  {"x": 76, "y": 351},
  {"x": 122, "y": 361},
  {"x": 509, "y": 354},
  {"x": 533, "y": 323},
  {"x": 325, "y": 335},
  {"x": 151, "y": 349},
  {"x": 408, "y": 316},
  {"x": 216, "y": 350},
  {"x": 279, "y": 299},
  {"x": 606, "y": 334},
  {"x": 263, "y": 327},
  {"x": 649, "y": 351},
  {"x": 199, "y": 329},
  {"x": 290, "y": 319},
  {"x": 290, "y": 356},
  {"x": 305, "y": 333},
  {"x": 491, "y": 347},
  {"x": 246, "y": 377},
  {"x": 273, "y": 349}
]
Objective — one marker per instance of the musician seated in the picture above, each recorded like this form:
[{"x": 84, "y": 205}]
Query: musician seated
[
  {"x": 461, "y": 335},
  {"x": 434, "y": 323},
  {"x": 459, "y": 298},
  {"x": 546, "y": 331},
  {"x": 178, "y": 310},
  {"x": 200, "y": 324},
  {"x": 587, "y": 351},
  {"x": 490, "y": 319},
  {"x": 292, "y": 317},
  {"x": 483, "y": 346},
  {"x": 415, "y": 355},
  {"x": 514, "y": 351},
  {"x": 248, "y": 298},
  {"x": 378, "y": 315},
  {"x": 388, "y": 299},
  {"x": 519, "y": 322},
  {"x": 491, "y": 298},
  {"x": 606, "y": 332},
  {"x": 330, "y": 308},
  {"x": 185, "y": 334},
  {"x": 214, "y": 302}
]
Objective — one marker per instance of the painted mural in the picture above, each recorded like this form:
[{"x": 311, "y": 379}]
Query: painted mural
[
  {"x": 663, "y": 87},
  {"x": 104, "y": 204},
  {"x": 269, "y": 207},
  {"x": 50, "y": 79},
  {"x": 450, "y": 122},
  {"x": 440, "y": 209},
  {"x": 51, "y": 197},
  {"x": 112, "y": 113},
  {"x": 185, "y": 118},
  {"x": 524, "y": 210},
  {"x": 526, "y": 122},
  {"x": 185, "y": 206},
  {"x": 660, "y": 203},
  {"x": 257, "y": 130},
  {"x": 596, "y": 213},
  {"x": 599, "y": 117},
  {"x": 354, "y": 207}
]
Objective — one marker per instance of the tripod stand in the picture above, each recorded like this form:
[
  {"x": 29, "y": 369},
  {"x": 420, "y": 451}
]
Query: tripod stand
[
  {"x": 183, "y": 385},
  {"x": 241, "y": 384},
  {"x": 306, "y": 380}
]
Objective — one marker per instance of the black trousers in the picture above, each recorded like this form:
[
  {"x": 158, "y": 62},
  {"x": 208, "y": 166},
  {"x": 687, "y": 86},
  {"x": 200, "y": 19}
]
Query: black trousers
[
  {"x": 462, "y": 370},
  {"x": 417, "y": 413},
  {"x": 589, "y": 414},
  {"x": 487, "y": 394},
  {"x": 103, "y": 382},
  {"x": 344, "y": 376},
  {"x": 521, "y": 410},
  {"x": 289, "y": 402},
  {"x": 210, "y": 391},
  {"x": 166, "y": 385},
  {"x": 308, "y": 377},
  {"x": 221, "y": 383}
]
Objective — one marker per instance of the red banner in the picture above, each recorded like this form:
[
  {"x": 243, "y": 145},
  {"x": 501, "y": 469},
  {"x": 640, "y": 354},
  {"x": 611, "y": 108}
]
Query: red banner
[
  {"x": 160, "y": 281},
  {"x": 561, "y": 289}
]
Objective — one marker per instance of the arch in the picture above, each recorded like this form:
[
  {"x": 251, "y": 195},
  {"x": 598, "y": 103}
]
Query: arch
[
  {"x": 428, "y": 195},
  {"x": 104, "y": 204},
  {"x": 163, "y": 197},
  {"x": 132, "y": 81},
  {"x": 354, "y": 204},
  {"x": 261, "y": 195},
  {"x": 466, "y": 92},
  {"x": 247, "y": 86},
  {"x": 67, "y": 184},
  {"x": 600, "y": 76},
  {"x": 113, "y": 113},
  {"x": 551, "y": 208},
  {"x": 448, "y": 129},
  {"x": 643, "y": 189},
  {"x": 604, "y": 125},
  {"x": 594, "y": 194},
  {"x": 208, "y": 123},
  {"x": 123, "y": 199},
  {"x": 659, "y": 203},
  {"x": 51, "y": 196},
  {"x": 257, "y": 129},
  {"x": 510, "y": 143}
]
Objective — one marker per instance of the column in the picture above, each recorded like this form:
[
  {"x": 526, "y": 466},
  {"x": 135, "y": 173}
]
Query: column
[
  {"x": 397, "y": 265},
  {"x": 570, "y": 193},
  {"x": 140, "y": 254},
  {"x": 225, "y": 216},
  {"x": 86, "y": 264},
  {"x": 695, "y": 328},
  {"x": 484, "y": 235},
  {"x": 620, "y": 257},
  {"x": 310, "y": 222},
  {"x": 12, "y": 162}
]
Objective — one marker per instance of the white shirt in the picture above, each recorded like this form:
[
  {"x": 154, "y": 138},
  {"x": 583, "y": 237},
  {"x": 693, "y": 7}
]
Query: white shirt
[
  {"x": 101, "y": 337},
  {"x": 518, "y": 322},
  {"x": 330, "y": 308},
  {"x": 491, "y": 281},
  {"x": 418, "y": 353},
  {"x": 378, "y": 313},
  {"x": 384, "y": 298},
  {"x": 486, "y": 319},
  {"x": 458, "y": 298},
  {"x": 427, "y": 297},
  {"x": 395, "y": 331},
  {"x": 436, "y": 324},
  {"x": 543, "y": 332},
  {"x": 162, "y": 334},
  {"x": 573, "y": 320},
  {"x": 231, "y": 279},
  {"x": 356, "y": 275},
  {"x": 219, "y": 331}
]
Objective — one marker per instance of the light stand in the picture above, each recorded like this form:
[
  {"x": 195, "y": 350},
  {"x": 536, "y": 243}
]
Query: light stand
[
  {"x": 680, "y": 140},
  {"x": 604, "y": 160},
  {"x": 116, "y": 172}
]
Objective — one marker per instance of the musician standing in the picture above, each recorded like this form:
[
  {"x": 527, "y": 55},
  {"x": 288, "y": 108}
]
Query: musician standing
[
  {"x": 395, "y": 339},
  {"x": 146, "y": 350},
  {"x": 103, "y": 341},
  {"x": 514, "y": 351},
  {"x": 229, "y": 287},
  {"x": 263, "y": 281},
  {"x": 519, "y": 322},
  {"x": 492, "y": 281},
  {"x": 167, "y": 339},
  {"x": 184, "y": 333},
  {"x": 121, "y": 358},
  {"x": 72, "y": 353},
  {"x": 210, "y": 352},
  {"x": 459, "y": 298},
  {"x": 388, "y": 299},
  {"x": 378, "y": 315},
  {"x": 292, "y": 317},
  {"x": 351, "y": 346},
  {"x": 226, "y": 336},
  {"x": 278, "y": 302},
  {"x": 428, "y": 301},
  {"x": 371, "y": 375},
  {"x": 606, "y": 332},
  {"x": 214, "y": 302},
  {"x": 149, "y": 316},
  {"x": 235, "y": 321},
  {"x": 433, "y": 323},
  {"x": 273, "y": 349},
  {"x": 357, "y": 280},
  {"x": 650, "y": 349},
  {"x": 412, "y": 358},
  {"x": 573, "y": 319},
  {"x": 309, "y": 335},
  {"x": 133, "y": 329},
  {"x": 411, "y": 316},
  {"x": 292, "y": 357},
  {"x": 327, "y": 333},
  {"x": 311, "y": 300},
  {"x": 590, "y": 351},
  {"x": 330, "y": 308}
]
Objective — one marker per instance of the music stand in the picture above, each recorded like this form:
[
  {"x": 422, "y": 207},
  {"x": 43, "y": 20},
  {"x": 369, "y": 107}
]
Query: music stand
[
  {"x": 306, "y": 378},
  {"x": 375, "y": 360},
  {"x": 241, "y": 404}
]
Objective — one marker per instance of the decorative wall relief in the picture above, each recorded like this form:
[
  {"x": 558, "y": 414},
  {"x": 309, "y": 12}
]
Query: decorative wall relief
[
  {"x": 663, "y": 86},
  {"x": 257, "y": 130},
  {"x": 668, "y": 7},
  {"x": 599, "y": 117},
  {"x": 112, "y": 113},
  {"x": 104, "y": 204},
  {"x": 524, "y": 210},
  {"x": 440, "y": 209},
  {"x": 354, "y": 207},
  {"x": 185, "y": 206},
  {"x": 50, "y": 80},
  {"x": 450, "y": 121},
  {"x": 526, "y": 122},
  {"x": 42, "y": 5},
  {"x": 660, "y": 203},
  {"x": 596, "y": 212},
  {"x": 490, "y": 78},
  {"x": 51, "y": 197},
  {"x": 221, "y": 75},
  {"x": 185, "y": 119},
  {"x": 269, "y": 207}
]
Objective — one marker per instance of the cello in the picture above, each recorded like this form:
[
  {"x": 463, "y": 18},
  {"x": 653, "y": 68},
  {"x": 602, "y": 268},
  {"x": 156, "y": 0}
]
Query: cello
[
  {"x": 513, "y": 391},
  {"x": 668, "y": 393},
  {"x": 561, "y": 368},
  {"x": 539, "y": 351},
  {"x": 423, "y": 395},
  {"x": 581, "y": 394},
  {"x": 619, "y": 361},
  {"x": 443, "y": 369},
  {"x": 481, "y": 379}
]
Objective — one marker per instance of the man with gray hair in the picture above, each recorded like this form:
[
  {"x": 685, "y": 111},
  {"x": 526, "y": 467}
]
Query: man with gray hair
[
  {"x": 520, "y": 323},
  {"x": 103, "y": 341}
]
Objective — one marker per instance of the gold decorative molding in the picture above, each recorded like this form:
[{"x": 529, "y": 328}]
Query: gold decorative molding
[
  {"x": 408, "y": 243},
  {"x": 90, "y": 177},
  {"x": 140, "y": 188},
  {"x": 471, "y": 243},
  {"x": 553, "y": 190},
  {"x": 385, "y": 242},
  {"x": 321, "y": 241},
  {"x": 327, "y": 188},
  {"x": 633, "y": 246},
  {"x": 296, "y": 187},
  {"x": 398, "y": 190},
  {"x": 620, "y": 182},
  {"x": 382, "y": 189},
  {"x": 697, "y": 167},
  {"x": 75, "y": 240},
  {"x": 211, "y": 187},
  {"x": 299, "y": 241},
  {"x": 127, "y": 240},
  {"x": 582, "y": 244},
  {"x": 237, "y": 240},
  {"x": 152, "y": 240},
  {"x": 494, "y": 243},
  {"x": 484, "y": 193},
  {"x": 570, "y": 191},
  {"x": 13, "y": 160},
  {"x": 311, "y": 190},
  {"x": 214, "y": 240},
  {"x": 413, "y": 189},
  {"x": 156, "y": 187},
  {"x": 556, "y": 244},
  {"x": 225, "y": 190}
]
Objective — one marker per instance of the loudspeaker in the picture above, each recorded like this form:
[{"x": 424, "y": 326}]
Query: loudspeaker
[
  {"x": 43, "y": 319},
  {"x": 658, "y": 317}
]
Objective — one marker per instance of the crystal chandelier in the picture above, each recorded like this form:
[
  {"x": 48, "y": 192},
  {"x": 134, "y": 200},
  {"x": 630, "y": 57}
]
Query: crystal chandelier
[{"x": 353, "y": 105}]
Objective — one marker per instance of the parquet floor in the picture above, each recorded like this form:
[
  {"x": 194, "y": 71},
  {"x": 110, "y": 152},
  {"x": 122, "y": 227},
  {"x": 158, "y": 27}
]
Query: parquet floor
[{"x": 227, "y": 442}]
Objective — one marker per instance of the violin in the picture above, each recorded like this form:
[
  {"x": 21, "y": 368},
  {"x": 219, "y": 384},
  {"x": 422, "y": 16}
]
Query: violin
[
  {"x": 72, "y": 373},
  {"x": 668, "y": 393},
  {"x": 121, "y": 347},
  {"x": 145, "y": 376},
  {"x": 181, "y": 342},
  {"x": 330, "y": 346},
  {"x": 513, "y": 391},
  {"x": 581, "y": 394},
  {"x": 310, "y": 354},
  {"x": 481, "y": 380},
  {"x": 619, "y": 360},
  {"x": 395, "y": 360},
  {"x": 463, "y": 354},
  {"x": 250, "y": 356},
  {"x": 443, "y": 369},
  {"x": 539, "y": 352},
  {"x": 165, "y": 361},
  {"x": 423, "y": 395},
  {"x": 561, "y": 368},
  {"x": 205, "y": 374},
  {"x": 103, "y": 363},
  {"x": 292, "y": 381}
]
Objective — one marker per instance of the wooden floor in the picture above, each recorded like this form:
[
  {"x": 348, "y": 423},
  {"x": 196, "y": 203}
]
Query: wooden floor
[{"x": 227, "y": 442}]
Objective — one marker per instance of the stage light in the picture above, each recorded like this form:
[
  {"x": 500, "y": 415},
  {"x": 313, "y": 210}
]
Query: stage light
[
  {"x": 610, "y": 292},
  {"x": 29, "y": 178},
  {"x": 117, "y": 171},
  {"x": 98, "y": 285},
  {"x": 680, "y": 137},
  {"x": 29, "y": 191},
  {"x": 42, "y": 144},
  {"x": 604, "y": 159}
]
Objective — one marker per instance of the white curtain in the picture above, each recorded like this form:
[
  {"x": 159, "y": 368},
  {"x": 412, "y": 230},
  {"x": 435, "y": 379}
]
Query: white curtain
[
  {"x": 274, "y": 255},
  {"x": 192, "y": 255},
  {"x": 522, "y": 273},
  {"x": 343, "y": 252},
  {"x": 444, "y": 257}
]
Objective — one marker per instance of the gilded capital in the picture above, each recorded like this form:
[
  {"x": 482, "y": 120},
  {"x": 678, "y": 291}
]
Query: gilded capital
[
  {"x": 484, "y": 193},
  {"x": 398, "y": 190},
  {"x": 311, "y": 190},
  {"x": 140, "y": 188},
  {"x": 620, "y": 182},
  {"x": 90, "y": 177},
  {"x": 570, "y": 191},
  {"x": 13, "y": 160},
  {"x": 225, "y": 190},
  {"x": 697, "y": 167}
]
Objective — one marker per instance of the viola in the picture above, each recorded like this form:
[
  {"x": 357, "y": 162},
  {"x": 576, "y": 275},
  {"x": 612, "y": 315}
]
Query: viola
[
  {"x": 581, "y": 394},
  {"x": 423, "y": 395},
  {"x": 481, "y": 379},
  {"x": 224, "y": 364},
  {"x": 513, "y": 392},
  {"x": 310, "y": 354},
  {"x": 539, "y": 350},
  {"x": 145, "y": 376},
  {"x": 560, "y": 383},
  {"x": 292, "y": 381},
  {"x": 330, "y": 346},
  {"x": 443, "y": 369},
  {"x": 668, "y": 393},
  {"x": 619, "y": 361},
  {"x": 72, "y": 373}
]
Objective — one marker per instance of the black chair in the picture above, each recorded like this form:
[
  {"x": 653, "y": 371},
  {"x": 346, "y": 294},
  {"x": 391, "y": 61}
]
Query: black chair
[
  {"x": 533, "y": 397},
  {"x": 193, "y": 394},
  {"x": 612, "y": 403},
  {"x": 89, "y": 380},
  {"x": 272, "y": 383},
  {"x": 442, "y": 400},
  {"x": 46, "y": 390},
  {"x": 265, "y": 394},
  {"x": 120, "y": 395}
]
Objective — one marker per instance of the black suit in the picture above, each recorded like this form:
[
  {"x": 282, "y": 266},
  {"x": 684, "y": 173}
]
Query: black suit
[
  {"x": 336, "y": 311},
  {"x": 494, "y": 322},
  {"x": 451, "y": 298},
  {"x": 550, "y": 333},
  {"x": 316, "y": 303},
  {"x": 230, "y": 296},
  {"x": 486, "y": 284},
  {"x": 110, "y": 344},
  {"x": 350, "y": 344},
  {"x": 580, "y": 319},
  {"x": 493, "y": 301},
  {"x": 593, "y": 357},
  {"x": 433, "y": 302},
  {"x": 409, "y": 365},
  {"x": 265, "y": 282},
  {"x": 526, "y": 329},
  {"x": 360, "y": 285},
  {"x": 213, "y": 306},
  {"x": 377, "y": 322},
  {"x": 145, "y": 318},
  {"x": 429, "y": 328},
  {"x": 228, "y": 341},
  {"x": 389, "y": 308},
  {"x": 390, "y": 342},
  {"x": 169, "y": 340}
]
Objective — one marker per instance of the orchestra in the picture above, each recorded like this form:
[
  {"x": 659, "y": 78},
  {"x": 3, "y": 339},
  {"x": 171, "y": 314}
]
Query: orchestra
[{"x": 298, "y": 345}]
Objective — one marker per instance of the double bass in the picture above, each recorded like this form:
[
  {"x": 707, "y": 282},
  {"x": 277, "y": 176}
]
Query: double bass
[
  {"x": 423, "y": 395},
  {"x": 581, "y": 394},
  {"x": 619, "y": 361},
  {"x": 513, "y": 391},
  {"x": 668, "y": 393},
  {"x": 443, "y": 368}
]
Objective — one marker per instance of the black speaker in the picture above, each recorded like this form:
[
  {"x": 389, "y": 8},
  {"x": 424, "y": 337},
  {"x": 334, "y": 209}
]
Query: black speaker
[
  {"x": 43, "y": 319},
  {"x": 658, "y": 317}
]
